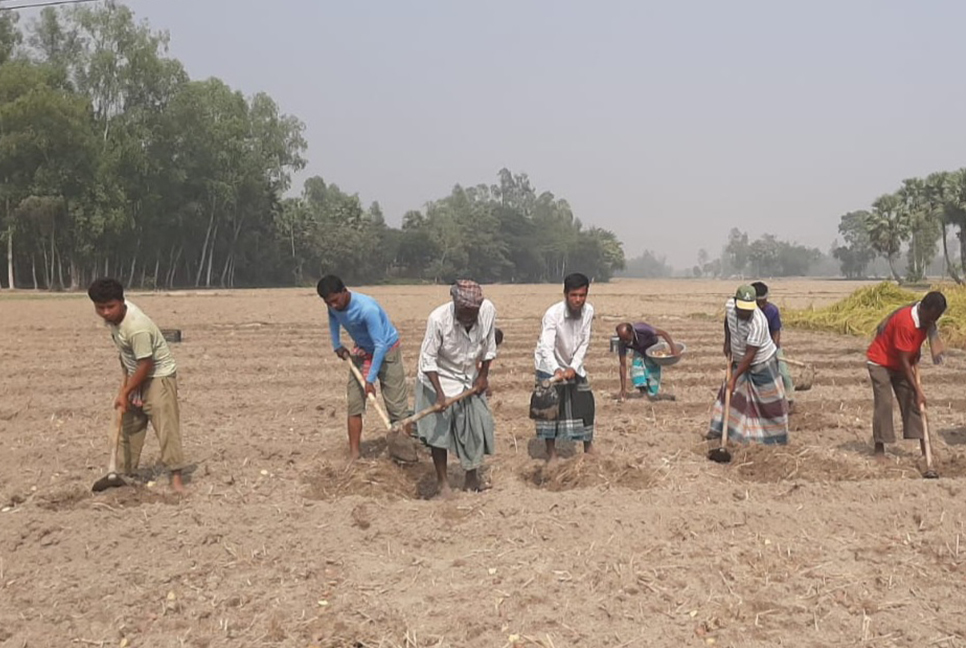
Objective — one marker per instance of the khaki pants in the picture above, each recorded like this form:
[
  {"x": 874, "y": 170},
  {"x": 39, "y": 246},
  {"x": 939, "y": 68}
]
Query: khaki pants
[
  {"x": 884, "y": 383},
  {"x": 160, "y": 408},
  {"x": 392, "y": 381}
]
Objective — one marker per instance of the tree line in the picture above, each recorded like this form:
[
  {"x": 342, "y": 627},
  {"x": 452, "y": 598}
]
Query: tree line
[
  {"x": 766, "y": 256},
  {"x": 648, "y": 265},
  {"x": 918, "y": 218},
  {"x": 113, "y": 161},
  {"x": 921, "y": 218},
  {"x": 505, "y": 232}
]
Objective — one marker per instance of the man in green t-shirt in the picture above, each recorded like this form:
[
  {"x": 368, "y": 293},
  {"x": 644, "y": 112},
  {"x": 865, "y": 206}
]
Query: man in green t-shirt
[{"x": 149, "y": 383}]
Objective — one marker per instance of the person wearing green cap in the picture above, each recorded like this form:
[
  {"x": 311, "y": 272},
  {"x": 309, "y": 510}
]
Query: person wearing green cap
[{"x": 759, "y": 410}]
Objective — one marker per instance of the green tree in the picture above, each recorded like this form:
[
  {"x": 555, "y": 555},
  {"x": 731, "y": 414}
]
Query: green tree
[
  {"x": 648, "y": 266},
  {"x": 599, "y": 254},
  {"x": 924, "y": 225},
  {"x": 46, "y": 149},
  {"x": 703, "y": 259},
  {"x": 10, "y": 36},
  {"x": 113, "y": 161},
  {"x": 417, "y": 249},
  {"x": 764, "y": 254},
  {"x": 939, "y": 200},
  {"x": 888, "y": 228},
  {"x": 796, "y": 260},
  {"x": 855, "y": 256},
  {"x": 956, "y": 209},
  {"x": 737, "y": 252}
]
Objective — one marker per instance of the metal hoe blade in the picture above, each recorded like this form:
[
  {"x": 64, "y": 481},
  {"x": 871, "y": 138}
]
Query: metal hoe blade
[
  {"x": 720, "y": 455},
  {"x": 107, "y": 481}
]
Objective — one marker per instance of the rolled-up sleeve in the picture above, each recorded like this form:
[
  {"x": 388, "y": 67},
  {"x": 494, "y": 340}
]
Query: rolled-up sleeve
[
  {"x": 544, "y": 356},
  {"x": 577, "y": 364},
  {"x": 429, "y": 351},
  {"x": 489, "y": 343}
]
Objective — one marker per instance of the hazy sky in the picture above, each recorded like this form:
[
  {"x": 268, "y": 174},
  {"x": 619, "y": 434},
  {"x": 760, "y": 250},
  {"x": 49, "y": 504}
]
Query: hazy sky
[{"x": 667, "y": 122}]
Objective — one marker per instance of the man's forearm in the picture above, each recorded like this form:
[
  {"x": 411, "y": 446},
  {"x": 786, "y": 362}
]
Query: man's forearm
[
  {"x": 434, "y": 381},
  {"x": 378, "y": 357},
  {"x": 623, "y": 372},
  {"x": 577, "y": 363},
  {"x": 334, "y": 329},
  {"x": 746, "y": 361},
  {"x": 139, "y": 376},
  {"x": 908, "y": 370}
]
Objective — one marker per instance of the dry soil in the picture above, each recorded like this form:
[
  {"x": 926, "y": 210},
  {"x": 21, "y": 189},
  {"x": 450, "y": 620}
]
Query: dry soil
[{"x": 280, "y": 544}]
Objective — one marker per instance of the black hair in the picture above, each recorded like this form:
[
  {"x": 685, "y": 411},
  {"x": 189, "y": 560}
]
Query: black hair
[
  {"x": 935, "y": 302},
  {"x": 498, "y": 334},
  {"x": 105, "y": 289},
  {"x": 329, "y": 285},
  {"x": 575, "y": 281},
  {"x": 760, "y": 289}
]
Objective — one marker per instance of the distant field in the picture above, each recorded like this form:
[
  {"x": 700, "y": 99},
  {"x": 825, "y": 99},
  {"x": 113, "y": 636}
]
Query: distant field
[{"x": 649, "y": 544}]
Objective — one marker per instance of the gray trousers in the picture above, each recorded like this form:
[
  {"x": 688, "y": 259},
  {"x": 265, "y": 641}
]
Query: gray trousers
[{"x": 885, "y": 382}]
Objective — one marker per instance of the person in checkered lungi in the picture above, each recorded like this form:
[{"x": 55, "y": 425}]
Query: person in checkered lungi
[{"x": 560, "y": 352}]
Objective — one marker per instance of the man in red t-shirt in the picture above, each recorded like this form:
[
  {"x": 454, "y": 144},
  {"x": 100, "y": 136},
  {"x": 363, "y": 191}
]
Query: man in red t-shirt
[{"x": 893, "y": 358}]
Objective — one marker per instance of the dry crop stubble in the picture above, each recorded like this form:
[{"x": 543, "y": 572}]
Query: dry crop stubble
[{"x": 646, "y": 544}]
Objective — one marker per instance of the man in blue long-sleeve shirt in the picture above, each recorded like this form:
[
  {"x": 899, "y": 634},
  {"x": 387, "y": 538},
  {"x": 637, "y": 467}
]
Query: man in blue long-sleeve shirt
[{"x": 376, "y": 353}]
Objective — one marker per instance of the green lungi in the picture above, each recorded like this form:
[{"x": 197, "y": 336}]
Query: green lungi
[{"x": 464, "y": 428}]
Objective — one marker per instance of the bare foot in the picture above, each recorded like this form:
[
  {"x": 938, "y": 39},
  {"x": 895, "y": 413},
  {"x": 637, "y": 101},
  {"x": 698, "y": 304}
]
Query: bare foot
[
  {"x": 551, "y": 451},
  {"x": 444, "y": 492},
  {"x": 879, "y": 455},
  {"x": 472, "y": 481},
  {"x": 177, "y": 485},
  {"x": 589, "y": 448}
]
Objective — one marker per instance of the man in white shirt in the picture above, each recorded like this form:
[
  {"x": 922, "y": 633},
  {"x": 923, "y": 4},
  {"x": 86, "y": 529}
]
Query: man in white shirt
[
  {"x": 759, "y": 410},
  {"x": 560, "y": 353},
  {"x": 455, "y": 356}
]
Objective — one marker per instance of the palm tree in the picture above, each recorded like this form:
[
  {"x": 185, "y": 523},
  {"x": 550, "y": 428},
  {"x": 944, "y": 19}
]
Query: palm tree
[
  {"x": 924, "y": 226},
  {"x": 956, "y": 209},
  {"x": 938, "y": 196},
  {"x": 888, "y": 229}
]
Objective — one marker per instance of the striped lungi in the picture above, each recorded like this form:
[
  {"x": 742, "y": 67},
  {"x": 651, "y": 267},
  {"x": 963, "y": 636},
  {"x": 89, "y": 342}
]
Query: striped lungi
[
  {"x": 645, "y": 374},
  {"x": 759, "y": 411}
]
